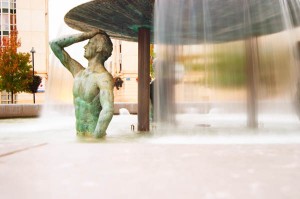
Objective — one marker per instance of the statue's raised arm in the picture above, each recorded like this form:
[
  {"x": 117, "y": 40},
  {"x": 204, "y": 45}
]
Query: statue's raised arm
[
  {"x": 93, "y": 85},
  {"x": 59, "y": 44}
]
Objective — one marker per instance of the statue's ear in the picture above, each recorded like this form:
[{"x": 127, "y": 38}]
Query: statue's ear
[{"x": 99, "y": 49}]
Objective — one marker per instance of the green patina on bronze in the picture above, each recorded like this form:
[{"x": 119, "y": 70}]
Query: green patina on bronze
[
  {"x": 137, "y": 27},
  {"x": 93, "y": 85}
]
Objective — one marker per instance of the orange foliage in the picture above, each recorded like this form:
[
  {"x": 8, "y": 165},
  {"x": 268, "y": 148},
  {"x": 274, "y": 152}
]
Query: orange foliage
[{"x": 15, "y": 74}]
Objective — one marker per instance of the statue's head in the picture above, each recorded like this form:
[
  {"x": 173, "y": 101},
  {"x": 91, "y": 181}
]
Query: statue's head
[{"x": 101, "y": 45}]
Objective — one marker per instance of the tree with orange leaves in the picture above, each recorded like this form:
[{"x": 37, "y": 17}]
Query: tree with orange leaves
[{"x": 15, "y": 70}]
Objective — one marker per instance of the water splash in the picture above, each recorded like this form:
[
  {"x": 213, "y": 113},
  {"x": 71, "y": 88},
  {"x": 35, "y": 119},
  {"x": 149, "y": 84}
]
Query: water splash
[
  {"x": 239, "y": 57},
  {"x": 59, "y": 99}
]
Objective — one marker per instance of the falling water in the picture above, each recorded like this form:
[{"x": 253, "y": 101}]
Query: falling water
[
  {"x": 227, "y": 63},
  {"x": 60, "y": 82},
  {"x": 59, "y": 86}
]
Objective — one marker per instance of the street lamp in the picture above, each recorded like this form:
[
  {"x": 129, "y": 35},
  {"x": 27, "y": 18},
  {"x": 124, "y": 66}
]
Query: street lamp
[{"x": 32, "y": 52}]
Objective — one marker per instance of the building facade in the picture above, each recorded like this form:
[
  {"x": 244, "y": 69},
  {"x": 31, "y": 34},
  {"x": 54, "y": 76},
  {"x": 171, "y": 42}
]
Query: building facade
[
  {"x": 30, "y": 18},
  {"x": 124, "y": 62}
]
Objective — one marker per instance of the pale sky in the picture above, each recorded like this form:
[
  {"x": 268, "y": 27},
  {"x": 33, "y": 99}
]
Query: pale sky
[
  {"x": 58, "y": 28},
  {"x": 57, "y": 11}
]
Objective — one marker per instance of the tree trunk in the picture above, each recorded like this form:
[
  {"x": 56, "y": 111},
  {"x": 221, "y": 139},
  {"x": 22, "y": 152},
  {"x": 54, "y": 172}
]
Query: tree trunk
[{"x": 12, "y": 97}]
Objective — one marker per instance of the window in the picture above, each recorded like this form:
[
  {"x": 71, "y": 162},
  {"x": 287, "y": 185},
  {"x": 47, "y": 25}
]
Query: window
[
  {"x": 12, "y": 4},
  {"x": 8, "y": 20},
  {"x": 5, "y": 4},
  {"x": 5, "y": 22},
  {"x": 12, "y": 19}
]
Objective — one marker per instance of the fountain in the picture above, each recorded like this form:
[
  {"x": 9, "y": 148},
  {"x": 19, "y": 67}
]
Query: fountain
[
  {"x": 219, "y": 70},
  {"x": 222, "y": 66},
  {"x": 234, "y": 58},
  {"x": 234, "y": 65}
]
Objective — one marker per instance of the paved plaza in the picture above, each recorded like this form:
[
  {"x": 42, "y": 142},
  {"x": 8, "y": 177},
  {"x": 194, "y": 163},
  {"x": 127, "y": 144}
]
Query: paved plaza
[{"x": 42, "y": 158}]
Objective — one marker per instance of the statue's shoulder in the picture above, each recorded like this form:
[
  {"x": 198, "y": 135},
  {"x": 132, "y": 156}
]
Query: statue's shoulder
[
  {"x": 105, "y": 80},
  {"x": 104, "y": 76}
]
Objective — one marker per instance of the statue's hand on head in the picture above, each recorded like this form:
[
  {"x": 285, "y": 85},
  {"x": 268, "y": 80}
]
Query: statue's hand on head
[{"x": 90, "y": 34}]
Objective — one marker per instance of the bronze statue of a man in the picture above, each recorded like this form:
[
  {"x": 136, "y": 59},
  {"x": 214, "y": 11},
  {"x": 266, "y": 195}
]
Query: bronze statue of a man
[{"x": 93, "y": 86}]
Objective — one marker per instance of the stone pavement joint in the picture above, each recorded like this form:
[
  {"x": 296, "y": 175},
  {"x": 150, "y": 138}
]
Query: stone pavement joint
[{"x": 23, "y": 149}]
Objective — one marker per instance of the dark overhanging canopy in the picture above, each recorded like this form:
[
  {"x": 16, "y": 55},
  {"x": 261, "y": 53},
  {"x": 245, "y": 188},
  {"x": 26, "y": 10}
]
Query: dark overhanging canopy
[
  {"x": 228, "y": 20},
  {"x": 119, "y": 19}
]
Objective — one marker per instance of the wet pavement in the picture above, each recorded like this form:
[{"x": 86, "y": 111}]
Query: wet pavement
[{"x": 42, "y": 158}]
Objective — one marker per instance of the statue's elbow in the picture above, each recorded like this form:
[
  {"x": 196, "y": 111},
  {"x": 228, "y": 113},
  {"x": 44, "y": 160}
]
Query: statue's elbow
[
  {"x": 51, "y": 42},
  {"x": 109, "y": 111},
  {"x": 52, "y": 45},
  {"x": 56, "y": 49}
]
